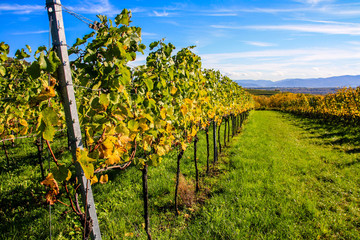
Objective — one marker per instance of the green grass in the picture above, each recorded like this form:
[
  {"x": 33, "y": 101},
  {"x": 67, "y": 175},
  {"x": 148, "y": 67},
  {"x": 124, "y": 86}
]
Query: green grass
[
  {"x": 25, "y": 215},
  {"x": 283, "y": 178},
  {"x": 285, "y": 181}
]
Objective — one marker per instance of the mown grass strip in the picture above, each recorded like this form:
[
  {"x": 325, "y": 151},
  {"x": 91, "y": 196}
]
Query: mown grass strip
[{"x": 284, "y": 182}]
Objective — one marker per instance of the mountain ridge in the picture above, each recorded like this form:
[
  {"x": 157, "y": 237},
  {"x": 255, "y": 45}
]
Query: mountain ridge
[{"x": 329, "y": 82}]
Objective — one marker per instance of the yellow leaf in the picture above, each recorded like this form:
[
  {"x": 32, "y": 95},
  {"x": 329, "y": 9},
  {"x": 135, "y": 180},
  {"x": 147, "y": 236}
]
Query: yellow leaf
[
  {"x": 144, "y": 126},
  {"x": 129, "y": 234},
  {"x": 124, "y": 140},
  {"x": 54, "y": 188},
  {"x": 23, "y": 122},
  {"x": 188, "y": 101},
  {"x": 110, "y": 160},
  {"x": 85, "y": 162},
  {"x": 161, "y": 150},
  {"x": 183, "y": 146},
  {"x": 147, "y": 141},
  {"x": 173, "y": 90},
  {"x": 183, "y": 109},
  {"x": 121, "y": 88},
  {"x": 163, "y": 113},
  {"x": 89, "y": 139},
  {"x": 94, "y": 180},
  {"x": 104, "y": 179},
  {"x": 106, "y": 147},
  {"x": 168, "y": 128},
  {"x": 46, "y": 93},
  {"x": 24, "y": 131},
  {"x": 193, "y": 131}
]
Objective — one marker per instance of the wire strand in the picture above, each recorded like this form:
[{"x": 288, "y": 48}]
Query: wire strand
[{"x": 90, "y": 23}]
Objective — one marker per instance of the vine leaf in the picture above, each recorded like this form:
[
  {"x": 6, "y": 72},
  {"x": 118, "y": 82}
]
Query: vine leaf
[
  {"x": 47, "y": 119},
  {"x": 104, "y": 179},
  {"x": 86, "y": 164},
  {"x": 54, "y": 188},
  {"x": 61, "y": 173}
]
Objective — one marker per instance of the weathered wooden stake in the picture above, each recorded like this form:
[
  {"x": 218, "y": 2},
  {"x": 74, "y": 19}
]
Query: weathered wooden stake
[{"x": 69, "y": 102}]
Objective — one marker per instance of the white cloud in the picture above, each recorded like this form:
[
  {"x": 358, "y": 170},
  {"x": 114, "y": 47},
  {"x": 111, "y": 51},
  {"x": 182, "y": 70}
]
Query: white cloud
[
  {"x": 30, "y": 32},
  {"x": 148, "y": 34},
  {"x": 342, "y": 29},
  {"x": 160, "y": 14},
  {"x": 354, "y": 42},
  {"x": 221, "y": 14},
  {"x": 21, "y": 9},
  {"x": 314, "y": 2},
  {"x": 282, "y": 63},
  {"x": 259, "y": 44},
  {"x": 95, "y": 7}
]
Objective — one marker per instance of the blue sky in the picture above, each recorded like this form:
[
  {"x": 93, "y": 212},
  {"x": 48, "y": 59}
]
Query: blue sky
[{"x": 245, "y": 39}]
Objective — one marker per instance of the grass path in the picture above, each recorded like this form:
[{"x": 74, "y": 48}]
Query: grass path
[
  {"x": 283, "y": 178},
  {"x": 285, "y": 181}
]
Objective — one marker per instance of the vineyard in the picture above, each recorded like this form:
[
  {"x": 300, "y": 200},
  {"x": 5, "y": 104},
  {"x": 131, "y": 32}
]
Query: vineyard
[
  {"x": 95, "y": 148},
  {"x": 344, "y": 105},
  {"x": 126, "y": 117}
]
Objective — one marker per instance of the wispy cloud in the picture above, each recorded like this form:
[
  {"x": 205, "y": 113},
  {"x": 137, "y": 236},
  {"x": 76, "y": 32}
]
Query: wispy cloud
[
  {"x": 354, "y": 42},
  {"x": 314, "y": 2},
  {"x": 221, "y": 14},
  {"x": 96, "y": 7},
  {"x": 171, "y": 22},
  {"x": 351, "y": 29},
  {"x": 259, "y": 44},
  {"x": 342, "y": 29},
  {"x": 30, "y": 32},
  {"x": 148, "y": 34},
  {"x": 21, "y": 9},
  {"x": 275, "y": 64},
  {"x": 160, "y": 14}
]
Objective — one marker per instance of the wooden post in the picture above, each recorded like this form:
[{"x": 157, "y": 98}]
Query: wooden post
[
  {"x": 214, "y": 141},
  {"x": 68, "y": 97},
  {"x": 197, "y": 185}
]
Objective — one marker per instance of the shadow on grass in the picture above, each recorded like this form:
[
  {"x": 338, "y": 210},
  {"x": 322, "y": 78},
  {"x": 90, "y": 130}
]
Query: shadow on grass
[
  {"x": 19, "y": 207},
  {"x": 338, "y": 134}
]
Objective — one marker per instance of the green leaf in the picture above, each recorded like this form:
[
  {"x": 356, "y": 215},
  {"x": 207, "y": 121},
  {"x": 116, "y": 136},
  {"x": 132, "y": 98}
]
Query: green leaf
[
  {"x": 85, "y": 162},
  {"x": 123, "y": 18},
  {"x": 2, "y": 71},
  {"x": 47, "y": 119},
  {"x": 133, "y": 125},
  {"x": 21, "y": 54},
  {"x": 149, "y": 84},
  {"x": 49, "y": 116},
  {"x": 52, "y": 62},
  {"x": 154, "y": 45},
  {"x": 87, "y": 36},
  {"x": 40, "y": 49},
  {"x": 121, "y": 128},
  {"x": 28, "y": 47},
  {"x": 104, "y": 100},
  {"x": 42, "y": 61},
  {"x": 48, "y": 133},
  {"x": 34, "y": 70},
  {"x": 61, "y": 173},
  {"x": 79, "y": 42}
]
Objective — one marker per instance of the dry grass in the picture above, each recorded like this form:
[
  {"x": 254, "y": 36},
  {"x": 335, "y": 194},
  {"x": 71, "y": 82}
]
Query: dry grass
[{"x": 186, "y": 191}]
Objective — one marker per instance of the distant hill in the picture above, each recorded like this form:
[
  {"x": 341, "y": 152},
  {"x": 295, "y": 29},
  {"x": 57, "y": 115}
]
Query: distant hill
[{"x": 330, "y": 82}]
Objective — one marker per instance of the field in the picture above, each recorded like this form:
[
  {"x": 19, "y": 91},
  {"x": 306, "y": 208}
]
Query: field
[
  {"x": 284, "y": 177},
  {"x": 274, "y": 90}
]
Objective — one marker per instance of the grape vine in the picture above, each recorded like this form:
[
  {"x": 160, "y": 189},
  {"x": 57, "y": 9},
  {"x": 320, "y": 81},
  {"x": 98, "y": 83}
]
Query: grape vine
[{"x": 129, "y": 116}]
